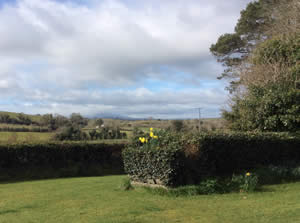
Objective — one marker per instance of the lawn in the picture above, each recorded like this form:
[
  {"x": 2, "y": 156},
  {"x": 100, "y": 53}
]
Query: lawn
[{"x": 100, "y": 199}]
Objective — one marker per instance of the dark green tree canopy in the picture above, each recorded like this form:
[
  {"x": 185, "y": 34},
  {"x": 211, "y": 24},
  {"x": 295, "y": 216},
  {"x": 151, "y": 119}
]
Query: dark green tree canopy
[
  {"x": 263, "y": 59},
  {"x": 99, "y": 121},
  {"x": 77, "y": 120},
  {"x": 232, "y": 49}
]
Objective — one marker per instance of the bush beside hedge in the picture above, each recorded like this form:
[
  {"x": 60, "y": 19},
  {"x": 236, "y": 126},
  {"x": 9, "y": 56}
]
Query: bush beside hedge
[
  {"x": 59, "y": 159},
  {"x": 202, "y": 156}
]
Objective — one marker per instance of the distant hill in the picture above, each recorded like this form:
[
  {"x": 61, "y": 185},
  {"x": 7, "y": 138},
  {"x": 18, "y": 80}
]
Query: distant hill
[
  {"x": 34, "y": 118},
  {"x": 113, "y": 116},
  {"x": 37, "y": 117}
]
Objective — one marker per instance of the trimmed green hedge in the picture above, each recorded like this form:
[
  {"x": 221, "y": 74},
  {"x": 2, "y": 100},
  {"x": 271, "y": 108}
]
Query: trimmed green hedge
[
  {"x": 154, "y": 166},
  {"x": 201, "y": 156},
  {"x": 59, "y": 160},
  {"x": 225, "y": 154}
]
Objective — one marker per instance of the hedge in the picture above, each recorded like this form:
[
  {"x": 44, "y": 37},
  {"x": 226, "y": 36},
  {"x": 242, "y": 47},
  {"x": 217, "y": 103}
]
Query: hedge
[
  {"x": 59, "y": 159},
  {"x": 206, "y": 155},
  {"x": 153, "y": 166},
  {"x": 24, "y": 129}
]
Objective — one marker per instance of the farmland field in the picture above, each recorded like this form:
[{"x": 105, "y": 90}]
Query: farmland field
[
  {"x": 100, "y": 199},
  {"x": 22, "y": 137},
  {"x": 13, "y": 137},
  {"x": 15, "y": 126}
]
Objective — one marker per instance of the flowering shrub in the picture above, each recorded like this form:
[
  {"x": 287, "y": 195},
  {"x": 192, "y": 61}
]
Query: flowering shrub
[
  {"x": 157, "y": 140},
  {"x": 245, "y": 183},
  {"x": 150, "y": 137},
  {"x": 172, "y": 159},
  {"x": 154, "y": 158}
]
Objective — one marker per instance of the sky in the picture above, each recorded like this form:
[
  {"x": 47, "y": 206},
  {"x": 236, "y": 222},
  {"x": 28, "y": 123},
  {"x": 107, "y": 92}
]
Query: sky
[{"x": 125, "y": 57}]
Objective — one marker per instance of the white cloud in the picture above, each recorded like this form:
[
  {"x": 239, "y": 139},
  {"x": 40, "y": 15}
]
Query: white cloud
[
  {"x": 111, "y": 43},
  {"x": 52, "y": 50},
  {"x": 140, "y": 102}
]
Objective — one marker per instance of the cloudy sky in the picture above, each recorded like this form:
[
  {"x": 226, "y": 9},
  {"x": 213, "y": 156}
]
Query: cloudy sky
[{"x": 130, "y": 57}]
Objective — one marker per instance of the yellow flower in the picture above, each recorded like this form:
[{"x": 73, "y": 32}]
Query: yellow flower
[
  {"x": 248, "y": 174},
  {"x": 142, "y": 139},
  {"x": 151, "y": 134},
  {"x": 151, "y": 129},
  {"x": 155, "y": 137},
  {"x": 146, "y": 140}
]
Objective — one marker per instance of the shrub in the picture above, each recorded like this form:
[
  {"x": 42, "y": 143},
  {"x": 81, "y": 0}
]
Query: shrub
[
  {"x": 177, "y": 125},
  {"x": 177, "y": 159},
  {"x": 106, "y": 133},
  {"x": 99, "y": 122},
  {"x": 154, "y": 159},
  {"x": 245, "y": 183},
  {"x": 93, "y": 134},
  {"x": 209, "y": 186},
  {"x": 71, "y": 133},
  {"x": 268, "y": 108},
  {"x": 237, "y": 183},
  {"x": 276, "y": 174}
]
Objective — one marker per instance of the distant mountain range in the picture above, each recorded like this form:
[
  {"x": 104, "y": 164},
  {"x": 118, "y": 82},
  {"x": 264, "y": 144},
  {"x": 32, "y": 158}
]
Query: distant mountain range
[
  {"x": 37, "y": 117},
  {"x": 113, "y": 116}
]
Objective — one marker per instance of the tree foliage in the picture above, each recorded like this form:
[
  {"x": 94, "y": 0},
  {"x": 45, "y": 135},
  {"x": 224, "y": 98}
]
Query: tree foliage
[
  {"x": 262, "y": 58},
  {"x": 99, "y": 122},
  {"x": 177, "y": 125},
  {"x": 232, "y": 49},
  {"x": 71, "y": 133},
  {"x": 77, "y": 120},
  {"x": 266, "y": 109},
  {"x": 260, "y": 20}
]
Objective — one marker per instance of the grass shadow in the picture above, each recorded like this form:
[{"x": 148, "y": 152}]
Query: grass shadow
[
  {"x": 13, "y": 211},
  {"x": 10, "y": 211},
  {"x": 263, "y": 189},
  {"x": 17, "y": 176}
]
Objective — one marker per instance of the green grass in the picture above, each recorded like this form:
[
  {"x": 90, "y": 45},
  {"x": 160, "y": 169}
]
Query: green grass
[
  {"x": 109, "y": 141},
  {"x": 18, "y": 137},
  {"x": 100, "y": 199}
]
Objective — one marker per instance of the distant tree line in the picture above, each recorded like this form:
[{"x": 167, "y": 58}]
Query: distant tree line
[
  {"x": 58, "y": 121},
  {"x": 47, "y": 121},
  {"x": 21, "y": 119},
  {"x": 107, "y": 133}
]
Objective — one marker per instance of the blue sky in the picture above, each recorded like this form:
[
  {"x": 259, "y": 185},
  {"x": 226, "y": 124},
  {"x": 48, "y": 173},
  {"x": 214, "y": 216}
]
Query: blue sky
[{"x": 113, "y": 56}]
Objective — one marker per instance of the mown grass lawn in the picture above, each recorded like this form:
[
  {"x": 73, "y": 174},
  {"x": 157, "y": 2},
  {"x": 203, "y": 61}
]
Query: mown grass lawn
[{"x": 100, "y": 199}]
